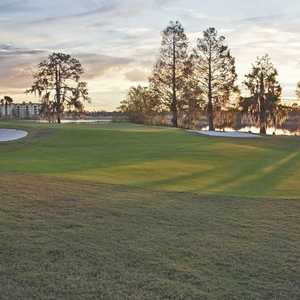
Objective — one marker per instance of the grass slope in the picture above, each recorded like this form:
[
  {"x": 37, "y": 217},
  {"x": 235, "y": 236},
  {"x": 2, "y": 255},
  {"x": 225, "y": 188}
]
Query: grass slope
[{"x": 132, "y": 212}]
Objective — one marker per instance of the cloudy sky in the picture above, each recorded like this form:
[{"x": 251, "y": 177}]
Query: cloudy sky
[{"x": 117, "y": 40}]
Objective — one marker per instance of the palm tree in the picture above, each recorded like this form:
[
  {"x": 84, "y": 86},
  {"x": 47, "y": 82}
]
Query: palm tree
[{"x": 6, "y": 101}]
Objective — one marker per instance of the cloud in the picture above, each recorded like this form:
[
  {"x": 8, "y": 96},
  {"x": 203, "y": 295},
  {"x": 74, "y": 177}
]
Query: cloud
[
  {"x": 98, "y": 65},
  {"x": 105, "y": 8},
  {"x": 262, "y": 19},
  {"x": 18, "y": 64},
  {"x": 8, "y": 50},
  {"x": 16, "y": 6},
  {"x": 137, "y": 75}
]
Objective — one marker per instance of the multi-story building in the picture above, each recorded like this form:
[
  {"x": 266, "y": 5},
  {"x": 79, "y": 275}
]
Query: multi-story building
[{"x": 20, "y": 111}]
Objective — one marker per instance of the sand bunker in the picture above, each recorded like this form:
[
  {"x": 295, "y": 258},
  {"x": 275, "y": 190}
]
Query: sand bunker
[
  {"x": 7, "y": 135},
  {"x": 229, "y": 134}
]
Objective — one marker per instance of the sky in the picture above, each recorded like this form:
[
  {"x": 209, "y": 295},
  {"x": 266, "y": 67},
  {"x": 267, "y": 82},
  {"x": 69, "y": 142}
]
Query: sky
[{"x": 117, "y": 41}]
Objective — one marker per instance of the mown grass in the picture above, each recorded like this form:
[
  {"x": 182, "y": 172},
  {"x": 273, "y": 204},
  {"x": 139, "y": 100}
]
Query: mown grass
[
  {"x": 158, "y": 158},
  {"x": 64, "y": 240},
  {"x": 131, "y": 212}
]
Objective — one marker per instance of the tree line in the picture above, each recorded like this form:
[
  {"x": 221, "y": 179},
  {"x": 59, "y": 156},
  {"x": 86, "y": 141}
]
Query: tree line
[{"x": 186, "y": 80}]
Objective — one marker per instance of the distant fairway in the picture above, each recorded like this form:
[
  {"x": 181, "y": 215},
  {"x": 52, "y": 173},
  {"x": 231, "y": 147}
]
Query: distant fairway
[
  {"x": 120, "y": 211},
  {"x": 158, "y": 158}
]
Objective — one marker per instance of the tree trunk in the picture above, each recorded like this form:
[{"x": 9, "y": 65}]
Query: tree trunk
[
  {"x": 210, "y": 114},
  {"x": 6, "y": 109},
  {"x": 58, "y": 95},
  {"x": 262, "y": 109},
  {"x": 190, "y": 120},
  {"x": 210, "y": 109},
  {"x": 263, "y": 129},
  {"x": 174, "y": 96},
  {"x": 263, "y": 123}
]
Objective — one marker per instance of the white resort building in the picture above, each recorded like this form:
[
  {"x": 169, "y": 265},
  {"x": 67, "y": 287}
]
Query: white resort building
[{"x": 20, "y": 110}]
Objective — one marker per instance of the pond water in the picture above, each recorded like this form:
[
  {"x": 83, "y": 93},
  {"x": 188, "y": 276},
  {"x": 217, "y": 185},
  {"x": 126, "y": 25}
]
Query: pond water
[
  {"x": 270, "y": 131},
  {"x": 80, "y": 121}
]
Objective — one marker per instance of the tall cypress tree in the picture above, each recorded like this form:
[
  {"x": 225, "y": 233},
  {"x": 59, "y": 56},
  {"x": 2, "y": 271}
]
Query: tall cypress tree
[
  {"x": 168, "y": 75},
  {"x": 215, "y": 70},
  {"x": 264, "y": 89}
]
